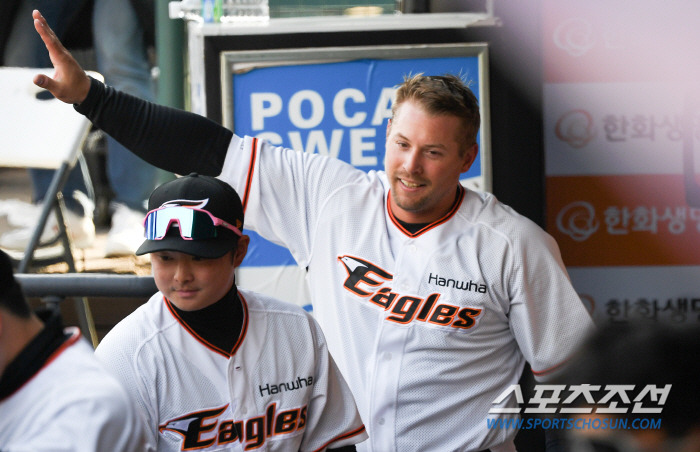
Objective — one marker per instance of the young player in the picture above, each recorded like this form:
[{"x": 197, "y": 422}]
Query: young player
[
  {"x": 54, "y": 394},
  {"x": 432, "y": 296},
  {"x": 213, "y": 366}
]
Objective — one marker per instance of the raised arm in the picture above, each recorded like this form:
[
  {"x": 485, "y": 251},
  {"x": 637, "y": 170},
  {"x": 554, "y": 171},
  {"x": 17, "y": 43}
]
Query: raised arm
[
  {"x": 69, "y": 83},
  {"x": 168, "y": 138}
]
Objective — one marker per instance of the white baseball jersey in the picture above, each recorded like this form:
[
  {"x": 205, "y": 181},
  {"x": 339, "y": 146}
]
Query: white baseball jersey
[
  {"x": 71, "y": 404},
  {"x": 279, "y": 390},
  {"x": 427, "y": 328}
]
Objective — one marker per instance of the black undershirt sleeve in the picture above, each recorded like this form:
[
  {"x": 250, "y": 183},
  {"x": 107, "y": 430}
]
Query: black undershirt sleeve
[{"x": 174, "y": 140}]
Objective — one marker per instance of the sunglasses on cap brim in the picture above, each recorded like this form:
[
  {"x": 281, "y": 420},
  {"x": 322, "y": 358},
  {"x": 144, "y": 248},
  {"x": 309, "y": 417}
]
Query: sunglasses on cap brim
[{"x": 193, "y": 223}]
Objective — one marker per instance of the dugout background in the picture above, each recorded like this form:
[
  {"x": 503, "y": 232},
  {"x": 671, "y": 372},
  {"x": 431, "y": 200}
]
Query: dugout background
[{"x": 515, "y": 81}]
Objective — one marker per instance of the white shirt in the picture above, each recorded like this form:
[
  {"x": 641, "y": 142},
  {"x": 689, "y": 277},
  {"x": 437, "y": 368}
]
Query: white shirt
[
  {"x": 428, "y": 328},
  {"x": 71, "y": 404},
  {"x": 278, "y": 391}
]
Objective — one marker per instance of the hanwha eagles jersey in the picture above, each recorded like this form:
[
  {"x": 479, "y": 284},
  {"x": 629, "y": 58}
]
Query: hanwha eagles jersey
[
  {"x": 278, "y": 391},
  {"x": 72, "y": 403},
  {"x": 428, "y": 328}
]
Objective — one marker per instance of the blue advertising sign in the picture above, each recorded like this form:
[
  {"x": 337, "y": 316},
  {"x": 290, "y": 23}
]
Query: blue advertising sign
[{"x": 339, "y": 109}]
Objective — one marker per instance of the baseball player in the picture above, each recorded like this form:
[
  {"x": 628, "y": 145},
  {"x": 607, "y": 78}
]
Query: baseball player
[
  {"x": 54, "y": 394},
  {"x": 431, "y": 296},
  {"x": 213, "y": 366}
]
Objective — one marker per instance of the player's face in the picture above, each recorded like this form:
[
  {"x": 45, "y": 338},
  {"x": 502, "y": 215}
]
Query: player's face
[
  {"x": 193, "y": 283},
  {"x": 423, "y": 163}
]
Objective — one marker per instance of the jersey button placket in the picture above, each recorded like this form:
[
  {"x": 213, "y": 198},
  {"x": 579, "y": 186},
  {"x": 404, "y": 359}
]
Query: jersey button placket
[
  {"x": 387, "y": 368},
  {"x": 237, "y": 379}
]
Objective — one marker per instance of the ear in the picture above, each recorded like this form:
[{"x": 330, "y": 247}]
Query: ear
[
  {"x": 469, "y": 157},
  {"x": 241, "y": 250},
  {"x": 388, "y": 128}
]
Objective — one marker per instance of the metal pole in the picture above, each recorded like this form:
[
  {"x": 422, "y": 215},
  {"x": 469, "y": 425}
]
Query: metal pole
[
  {"x": 58, "y": 181},
  {"x": 170, "y": 46},
  {"x": 82, "y": 306},
  {"x": 86, "y": 285}
]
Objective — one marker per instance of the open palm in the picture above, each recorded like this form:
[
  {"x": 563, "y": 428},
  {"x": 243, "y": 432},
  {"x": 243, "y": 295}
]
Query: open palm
[{"x": 69, "y": 83}]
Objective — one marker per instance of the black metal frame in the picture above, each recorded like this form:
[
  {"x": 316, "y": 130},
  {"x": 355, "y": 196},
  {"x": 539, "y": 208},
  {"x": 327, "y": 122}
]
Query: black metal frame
[
  {"x": 65, "y": 285},
  {"x": 53, "y": 289}
]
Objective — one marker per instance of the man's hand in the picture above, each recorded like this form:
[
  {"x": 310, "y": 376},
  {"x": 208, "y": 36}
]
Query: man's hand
[{"x": 69, "y": 82}]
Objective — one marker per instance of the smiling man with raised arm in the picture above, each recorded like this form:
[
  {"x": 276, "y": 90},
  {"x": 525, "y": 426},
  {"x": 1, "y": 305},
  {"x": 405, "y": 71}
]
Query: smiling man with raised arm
[{"x": 431, "y": 296}]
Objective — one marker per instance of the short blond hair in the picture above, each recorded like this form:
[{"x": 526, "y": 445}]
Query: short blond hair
[{"x": 443, "y": 95}]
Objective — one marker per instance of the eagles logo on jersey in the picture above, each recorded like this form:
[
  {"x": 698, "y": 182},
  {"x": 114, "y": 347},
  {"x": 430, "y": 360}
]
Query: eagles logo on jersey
[
  {"x": 364, "y": 277},
  {"x": 212, "y": 428}
]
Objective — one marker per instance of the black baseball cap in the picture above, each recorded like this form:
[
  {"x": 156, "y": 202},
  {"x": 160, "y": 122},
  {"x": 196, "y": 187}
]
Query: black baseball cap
[{"x": 206, "y": 193}]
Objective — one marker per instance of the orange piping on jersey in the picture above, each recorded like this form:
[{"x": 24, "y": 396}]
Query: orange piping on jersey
[
  {"x": 244, "y": 327},
  {"x": 251, "y": 170},
  {"x": 346, "y": 435},
  {"x": 551, "y": 369},
  {"x": 203, "y": 341},
  {"x": 437, "y": 223},
  {"x": 75, "y": 335}
]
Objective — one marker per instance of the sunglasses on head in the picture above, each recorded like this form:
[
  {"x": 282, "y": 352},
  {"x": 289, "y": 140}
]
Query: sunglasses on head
[{"x": 193, "y": 223}]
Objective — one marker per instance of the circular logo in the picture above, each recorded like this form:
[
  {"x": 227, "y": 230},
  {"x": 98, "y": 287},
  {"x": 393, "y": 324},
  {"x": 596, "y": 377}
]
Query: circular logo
[
  {"x": 575, "y": 36},
  {"x": 575, "y": 127},
  {"x": 577, "y": 220}
]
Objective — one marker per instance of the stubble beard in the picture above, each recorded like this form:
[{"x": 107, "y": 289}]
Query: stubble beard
[{"x": 409, "y": 203}]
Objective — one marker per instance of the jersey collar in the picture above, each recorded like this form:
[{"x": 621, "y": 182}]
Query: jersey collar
[
  {"x": 429, "y": 226},
  {"x": 209, "y": 345},
  {"x": 39, "y": 353}
]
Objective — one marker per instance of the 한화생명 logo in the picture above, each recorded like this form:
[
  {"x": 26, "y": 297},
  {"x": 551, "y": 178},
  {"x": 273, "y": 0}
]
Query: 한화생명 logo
[
  {"x": 577, "y": 220},
  {"x": 575, "y": 128}
]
